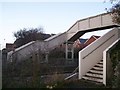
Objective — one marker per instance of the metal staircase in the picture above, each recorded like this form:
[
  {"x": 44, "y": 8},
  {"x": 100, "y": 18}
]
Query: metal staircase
[{"x": 96, "y": 73}]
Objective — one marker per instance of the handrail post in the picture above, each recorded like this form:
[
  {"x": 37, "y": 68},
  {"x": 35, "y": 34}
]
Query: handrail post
[
  {"x": 104, "y": 68},
  {"x": 80, "y": 76}
]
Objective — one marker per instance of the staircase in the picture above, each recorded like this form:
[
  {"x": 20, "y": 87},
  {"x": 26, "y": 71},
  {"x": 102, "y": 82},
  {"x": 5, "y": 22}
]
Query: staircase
[
  {"x": 96, "y": 73},
  {"x": 90, "y": 58}
]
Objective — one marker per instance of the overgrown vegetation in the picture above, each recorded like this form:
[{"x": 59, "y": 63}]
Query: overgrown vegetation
[
  {"x": 30, "y": 72},
  {"x": 115, "y": 10},
  {"x": 115, "y": 59},
  {"x": 75, "y": 84},
  {"x": 57, "y": 53},
  {"x": 115, "y": 52}
]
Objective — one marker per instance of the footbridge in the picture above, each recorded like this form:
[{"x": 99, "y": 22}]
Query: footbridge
[
  {"x": 79, "y": 28},
  {"x": 91, "y": 60},
  {"x": 94, "y": 23}
]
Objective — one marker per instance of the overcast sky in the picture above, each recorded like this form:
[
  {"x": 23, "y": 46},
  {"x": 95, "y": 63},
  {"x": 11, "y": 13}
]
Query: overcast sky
[{"x": 54, "y": 17}]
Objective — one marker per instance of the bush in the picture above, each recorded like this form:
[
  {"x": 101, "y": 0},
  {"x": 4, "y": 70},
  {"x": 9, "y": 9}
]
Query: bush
[
  {"x": 115, "y": 59},
  {"x": 57, "y": 53}
]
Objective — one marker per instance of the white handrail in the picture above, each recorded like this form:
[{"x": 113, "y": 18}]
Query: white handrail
[{"x": 70, "y": 76}]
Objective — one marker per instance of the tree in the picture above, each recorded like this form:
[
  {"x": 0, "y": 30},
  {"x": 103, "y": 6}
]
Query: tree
[
  {"x": 24, "y": 36},
  {"x": 115, "y": 10}
]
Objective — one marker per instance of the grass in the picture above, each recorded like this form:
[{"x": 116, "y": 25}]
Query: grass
[
  {"x": 77, "y": 84},
  {"x": 56, "y": 81}
]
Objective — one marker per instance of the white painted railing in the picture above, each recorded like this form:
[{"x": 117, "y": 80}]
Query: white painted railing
[
  {"x": 105, "y": 58},
  {"x": 26, "y": 50},
  {"x": 97, "y": 21},
  {"x": 56, "y": 40},
  {"x": 93, "y": 53}
]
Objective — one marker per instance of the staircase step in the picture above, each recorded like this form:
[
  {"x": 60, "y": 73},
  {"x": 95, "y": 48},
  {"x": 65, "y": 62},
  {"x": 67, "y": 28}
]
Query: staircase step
[
  {"x": 94, "y": 75},
  {"x": 93, "y": 79},
  {"x": 98, "y": 65},
  {"x": 94, "y": 71},
  {"x": 97, "y": 68}
]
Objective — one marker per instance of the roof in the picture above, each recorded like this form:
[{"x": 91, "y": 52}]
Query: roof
[
  {"x": 96, "y": 36},
  {"x": 82, "y": 41},
  {"x": 93, "y": 36}
]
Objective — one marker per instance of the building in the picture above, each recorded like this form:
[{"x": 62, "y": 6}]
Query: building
[
  {"x": 90, "y": 40},
  {"x": 82, "y": 43},
  {"x": 10, "y": 47}
]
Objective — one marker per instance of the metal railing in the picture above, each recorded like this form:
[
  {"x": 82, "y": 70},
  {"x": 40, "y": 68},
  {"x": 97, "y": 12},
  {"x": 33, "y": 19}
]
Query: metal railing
[{"x": 74, "y": 73}]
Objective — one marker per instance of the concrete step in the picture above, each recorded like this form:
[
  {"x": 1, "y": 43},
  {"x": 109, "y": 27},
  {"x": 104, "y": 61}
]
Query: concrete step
[
  {"x": 101, "y": 62},
  {"x": 93, "y": 79},
  {"x": 98, "y": 65},
  {"x": 94, "y": 75},
  {"x": 94, "y": 71},
  {"x": 98, "y": 68}
]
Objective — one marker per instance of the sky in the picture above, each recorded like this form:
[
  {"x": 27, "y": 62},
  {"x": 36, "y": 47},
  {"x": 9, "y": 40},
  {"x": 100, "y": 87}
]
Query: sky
[{"x": 53, "y": 16}]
